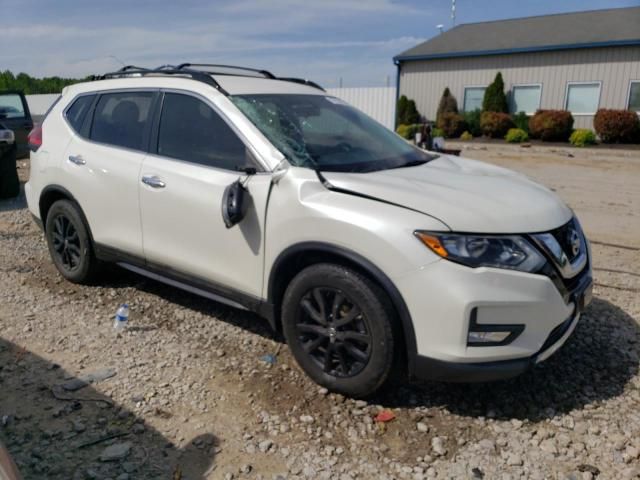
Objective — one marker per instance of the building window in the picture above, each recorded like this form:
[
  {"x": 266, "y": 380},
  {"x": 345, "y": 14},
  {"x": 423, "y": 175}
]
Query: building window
[
  {"x": 583, "y": 97},
  {"x": 473, "y": 98},
  {"x": 526, "y": 98},
  {"x": 634, "y": 96}
]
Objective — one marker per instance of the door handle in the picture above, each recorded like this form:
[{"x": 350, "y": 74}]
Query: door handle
[
  {"x": 153, "y": 181},
  {"x": 77, "y": 159}
]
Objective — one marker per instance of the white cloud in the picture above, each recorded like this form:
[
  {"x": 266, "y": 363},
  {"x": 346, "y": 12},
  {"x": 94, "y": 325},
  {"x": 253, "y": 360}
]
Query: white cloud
[{"x": 327, "y": 39}]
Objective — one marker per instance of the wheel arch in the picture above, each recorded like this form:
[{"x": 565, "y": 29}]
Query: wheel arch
[
  {"x": 296, "y": 257},
  {"x": 50, "y": 195}
]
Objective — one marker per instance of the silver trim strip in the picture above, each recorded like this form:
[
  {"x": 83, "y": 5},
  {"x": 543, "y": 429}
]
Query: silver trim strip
[
  {"x": 183, "y": 286},
  {"x": 550, "y": 245}
]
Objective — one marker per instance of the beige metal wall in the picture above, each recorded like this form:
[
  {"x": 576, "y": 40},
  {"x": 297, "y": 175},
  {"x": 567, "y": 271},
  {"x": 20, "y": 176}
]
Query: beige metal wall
[
  {"x": 377, "y": 102},
  {"x": 615, "y": 67}
]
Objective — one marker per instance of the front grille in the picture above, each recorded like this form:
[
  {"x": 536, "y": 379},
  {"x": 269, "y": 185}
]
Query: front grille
[
  {"x": 562, "y": 267},
  {"x": 563, "y": 237},
  {"x": 566, "y": 249}
]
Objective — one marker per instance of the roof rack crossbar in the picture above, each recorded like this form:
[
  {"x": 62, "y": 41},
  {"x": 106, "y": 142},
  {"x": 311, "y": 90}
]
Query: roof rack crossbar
[{"x": 264, "y": 73}]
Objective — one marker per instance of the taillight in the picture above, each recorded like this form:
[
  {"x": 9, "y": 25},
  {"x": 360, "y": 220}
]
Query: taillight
[{"x": 35, "y": 138}]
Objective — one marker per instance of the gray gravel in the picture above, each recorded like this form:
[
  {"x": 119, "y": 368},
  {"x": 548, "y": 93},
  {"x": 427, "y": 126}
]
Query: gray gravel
[{"x": 191, "y": 397}]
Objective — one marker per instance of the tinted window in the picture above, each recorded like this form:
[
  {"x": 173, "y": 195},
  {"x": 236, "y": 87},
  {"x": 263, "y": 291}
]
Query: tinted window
[
  {"x": 78, "y": 110},
  {"x": 190, "y": 130},
  {"x": 11, "y": 106},
  {"x": 120, "y": 119}
]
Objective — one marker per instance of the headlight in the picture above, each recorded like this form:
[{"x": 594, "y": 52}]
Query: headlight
[{"x": 499, "y": 251}]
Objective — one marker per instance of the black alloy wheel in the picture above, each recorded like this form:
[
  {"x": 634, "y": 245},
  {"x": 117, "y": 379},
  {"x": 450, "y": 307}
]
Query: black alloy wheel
[
  {"x": 341, "y": 329},
  {"x": 70, "y": 243},
  {"x": 66, "y": 243},
  {"x": 334, "y": 332}
]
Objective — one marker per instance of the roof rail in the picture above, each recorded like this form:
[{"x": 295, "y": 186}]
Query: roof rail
[
  {"x": 264, "y": 73},
  {"x": 204, "y": 77},
  {"x": 302, "y": 81},
  {"x": 131, "y": 67},
  {"x": 192, "y": 70}
]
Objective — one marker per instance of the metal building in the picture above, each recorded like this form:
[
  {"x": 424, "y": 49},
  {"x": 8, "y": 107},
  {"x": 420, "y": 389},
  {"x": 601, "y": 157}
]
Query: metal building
[{"x": 575, "y": 61}]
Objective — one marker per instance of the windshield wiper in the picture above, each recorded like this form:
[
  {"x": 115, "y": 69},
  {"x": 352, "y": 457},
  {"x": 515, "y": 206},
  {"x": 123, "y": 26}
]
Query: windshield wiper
[{"x": 412, "y": 163}]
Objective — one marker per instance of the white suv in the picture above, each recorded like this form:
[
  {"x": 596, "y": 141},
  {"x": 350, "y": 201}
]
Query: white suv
[{"x": 270, "y": 195}]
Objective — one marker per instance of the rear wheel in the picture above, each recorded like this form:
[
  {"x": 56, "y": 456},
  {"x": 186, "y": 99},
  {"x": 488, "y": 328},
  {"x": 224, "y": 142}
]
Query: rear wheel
[
  {"x": 339, "y": 327},
  {"x": 69, "y": 243}
]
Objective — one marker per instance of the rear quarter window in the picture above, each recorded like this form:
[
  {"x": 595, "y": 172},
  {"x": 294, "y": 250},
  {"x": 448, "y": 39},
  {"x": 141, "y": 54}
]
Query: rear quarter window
[{"x": 77, "y": 112}]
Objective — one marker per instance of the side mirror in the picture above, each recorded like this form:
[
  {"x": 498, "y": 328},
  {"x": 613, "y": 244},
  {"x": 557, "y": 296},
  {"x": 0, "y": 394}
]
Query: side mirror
[
  {"x": 7, "y": 136},
  {"x": 233, "y": 204}
]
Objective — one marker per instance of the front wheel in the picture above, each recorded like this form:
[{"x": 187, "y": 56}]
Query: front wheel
[{"x": 339, "y": 327}]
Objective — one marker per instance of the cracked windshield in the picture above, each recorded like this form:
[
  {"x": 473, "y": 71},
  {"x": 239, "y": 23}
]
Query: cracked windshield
[{"x": 324, "y": 133}]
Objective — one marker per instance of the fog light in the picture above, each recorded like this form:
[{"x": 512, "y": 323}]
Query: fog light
[
  {"x": 487, "y": 337},
  {"x": 491, "y": 335}
]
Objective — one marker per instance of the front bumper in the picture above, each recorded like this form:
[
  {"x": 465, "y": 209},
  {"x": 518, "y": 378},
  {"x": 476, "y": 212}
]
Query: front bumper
[
  {"x": 438, "y": 370},
  {"x": 444, "y": 299}
]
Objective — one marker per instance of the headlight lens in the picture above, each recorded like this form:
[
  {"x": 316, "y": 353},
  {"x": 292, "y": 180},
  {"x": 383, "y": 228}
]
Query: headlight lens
[{"x": 499, "y": 251}]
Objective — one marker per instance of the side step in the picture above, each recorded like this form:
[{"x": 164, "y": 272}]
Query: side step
[{"x": 181, "y": 285}]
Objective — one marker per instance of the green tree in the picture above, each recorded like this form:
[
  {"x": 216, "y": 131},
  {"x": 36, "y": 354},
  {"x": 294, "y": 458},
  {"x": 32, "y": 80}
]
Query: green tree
[
  {"x": 448, "y": 104},
  {"x": 31, "y": 85},
  {"x": 407, "y": 112},
  {"x": 401, "y": 109},
  {"x": 494, "y": 98}
]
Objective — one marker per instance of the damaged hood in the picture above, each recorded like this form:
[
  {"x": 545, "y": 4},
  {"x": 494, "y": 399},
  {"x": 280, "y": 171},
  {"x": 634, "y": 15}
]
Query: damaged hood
[{"x": 467, "y": 195}]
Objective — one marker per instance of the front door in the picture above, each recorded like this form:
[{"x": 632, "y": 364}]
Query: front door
[
  {"x": 14, "y": 114},
  {"x": 182, "y": 185}
]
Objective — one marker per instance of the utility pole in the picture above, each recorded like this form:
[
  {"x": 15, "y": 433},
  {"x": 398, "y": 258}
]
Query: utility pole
[{"x": 453, "y": 13}]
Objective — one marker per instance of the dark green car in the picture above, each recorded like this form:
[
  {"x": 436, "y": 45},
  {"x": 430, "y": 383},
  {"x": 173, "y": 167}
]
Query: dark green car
[{"x": 14, "y": 114}]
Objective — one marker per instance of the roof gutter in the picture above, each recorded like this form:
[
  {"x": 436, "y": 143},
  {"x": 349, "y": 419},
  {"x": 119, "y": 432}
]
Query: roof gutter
[{"x": 545, "y": 48}]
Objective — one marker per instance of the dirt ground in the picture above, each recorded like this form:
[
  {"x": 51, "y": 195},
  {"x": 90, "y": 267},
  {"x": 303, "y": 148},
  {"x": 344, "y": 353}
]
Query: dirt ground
[{"x": 191, "y": 395}]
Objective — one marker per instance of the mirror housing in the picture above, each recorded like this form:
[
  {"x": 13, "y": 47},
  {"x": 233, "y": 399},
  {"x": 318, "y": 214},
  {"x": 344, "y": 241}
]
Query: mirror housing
[
  {"x": 233, "y": 204},
  {"x": 7, "y": 136}
]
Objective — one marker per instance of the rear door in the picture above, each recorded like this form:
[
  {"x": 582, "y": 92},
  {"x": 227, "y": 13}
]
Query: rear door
[
  {"x": 103, "y": 161},
  {"x": 197, "y": 155},
  {"x": 14, "y": 113}
]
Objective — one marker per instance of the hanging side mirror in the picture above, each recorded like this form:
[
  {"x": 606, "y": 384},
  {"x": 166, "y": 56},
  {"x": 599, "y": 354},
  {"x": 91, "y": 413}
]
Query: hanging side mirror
[{"x": 233, "y": 204}]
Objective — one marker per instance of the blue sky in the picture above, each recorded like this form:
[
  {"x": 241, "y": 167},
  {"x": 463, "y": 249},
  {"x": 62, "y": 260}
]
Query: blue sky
[{"x": 325, "y": 40}]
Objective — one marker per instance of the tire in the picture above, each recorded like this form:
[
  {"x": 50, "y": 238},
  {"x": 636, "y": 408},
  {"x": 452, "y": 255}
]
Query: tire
[
  {"x": 339, "y": 326},
  {"x": 69, "y": 243}
]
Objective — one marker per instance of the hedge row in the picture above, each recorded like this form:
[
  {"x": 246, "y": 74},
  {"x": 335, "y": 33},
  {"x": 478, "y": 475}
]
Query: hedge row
[{"x": 611, "y": 126}]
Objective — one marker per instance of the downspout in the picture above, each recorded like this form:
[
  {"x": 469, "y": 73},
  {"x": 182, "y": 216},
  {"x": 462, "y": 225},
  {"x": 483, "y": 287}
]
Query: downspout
[{"x": 395, "y": 107}]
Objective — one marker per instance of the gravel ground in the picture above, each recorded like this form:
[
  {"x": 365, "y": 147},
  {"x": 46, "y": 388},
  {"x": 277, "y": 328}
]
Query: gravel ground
[{"x": 190, "y": 394}]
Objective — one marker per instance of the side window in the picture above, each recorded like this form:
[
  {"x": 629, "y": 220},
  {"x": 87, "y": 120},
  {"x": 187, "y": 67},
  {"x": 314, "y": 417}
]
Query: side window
[
  {"x": 190, "y": 130},
  {"x": 11, "y": 106},
  {"x": 78, "y": 110},
  {"x": 120, "y": 119}
]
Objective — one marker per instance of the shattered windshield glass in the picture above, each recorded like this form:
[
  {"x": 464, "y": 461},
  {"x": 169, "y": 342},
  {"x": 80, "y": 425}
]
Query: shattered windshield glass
[{"x": 325, "y": 133}]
